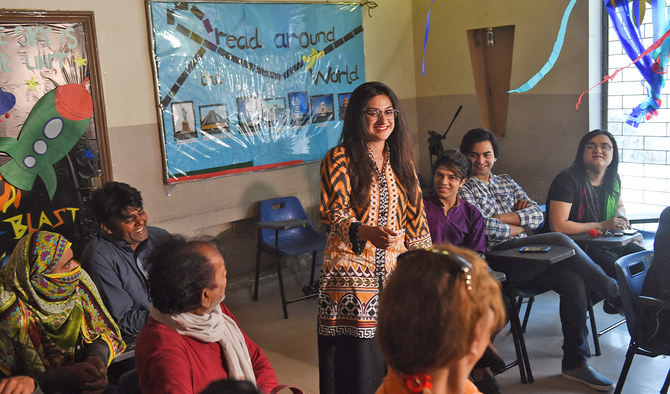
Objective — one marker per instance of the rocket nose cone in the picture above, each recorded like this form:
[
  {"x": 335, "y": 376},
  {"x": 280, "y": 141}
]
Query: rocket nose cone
[{"x": 74, "y": 102}]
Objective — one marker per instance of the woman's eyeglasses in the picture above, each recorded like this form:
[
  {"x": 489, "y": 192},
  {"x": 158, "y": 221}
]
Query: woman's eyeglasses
[
  {"x": 593, "y": 146},
  {"x": 375, "y": 113}
]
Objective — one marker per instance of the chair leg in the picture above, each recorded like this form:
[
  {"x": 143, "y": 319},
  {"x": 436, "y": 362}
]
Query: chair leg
[
  {"x": 258, "y": 264},
  {"x": 281, "y": 285},
  {"x": 519, "y": 343},
  {"x": 527, "y": 314},
  {"x": 626, "y": 366},
  {"x": 666, "y": 384},
  {"x": 594, "y": 329}
]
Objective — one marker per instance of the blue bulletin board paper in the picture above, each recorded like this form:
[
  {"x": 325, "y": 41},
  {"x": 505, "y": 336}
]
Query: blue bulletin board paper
[{"x": 251, "y": 86}]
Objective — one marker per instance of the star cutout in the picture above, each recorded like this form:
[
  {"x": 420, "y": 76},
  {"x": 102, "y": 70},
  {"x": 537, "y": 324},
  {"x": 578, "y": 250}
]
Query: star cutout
[
  {"x": 32, "y": 84},
  {"x": 80, "y": 61},
  {"x": 88, "y": 154}
]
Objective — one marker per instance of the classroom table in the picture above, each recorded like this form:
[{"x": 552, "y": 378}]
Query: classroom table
[
  {"x": 523, "y": 266},
  {"x": 611, "y": 241}
]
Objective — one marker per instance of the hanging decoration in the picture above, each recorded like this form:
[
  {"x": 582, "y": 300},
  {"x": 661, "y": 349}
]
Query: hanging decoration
[
  {"x": 651, "y": 61},
  {"x": 558, "y": 45}
]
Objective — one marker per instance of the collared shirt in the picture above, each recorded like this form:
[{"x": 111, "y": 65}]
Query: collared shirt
[
  {"x": 116, "y": 272},
  {"x": 498, "y": 196},
  {"x": 463, "y": 225}
]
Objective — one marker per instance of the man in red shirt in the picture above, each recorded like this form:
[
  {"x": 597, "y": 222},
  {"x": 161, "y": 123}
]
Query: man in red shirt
[{"x": 191, "y": 338}]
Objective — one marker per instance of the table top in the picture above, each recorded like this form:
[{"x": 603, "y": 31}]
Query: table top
[
  {"x": 283, "y": 224},
  {"x": 611, "y": 241},
  {"x": 524, "y": 266},
  {"x": 555, "y": 254}
]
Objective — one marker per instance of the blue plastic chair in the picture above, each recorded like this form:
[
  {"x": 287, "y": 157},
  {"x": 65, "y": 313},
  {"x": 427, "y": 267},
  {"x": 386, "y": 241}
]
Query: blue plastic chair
[
  {"x": 284, "y": 230},
  {"x": 631, "y": 271}
]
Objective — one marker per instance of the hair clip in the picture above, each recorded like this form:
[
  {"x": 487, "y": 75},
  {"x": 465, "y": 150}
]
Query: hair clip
[
  {"x": 464, "y": 265},
  {"x": 418, "y": 382}
]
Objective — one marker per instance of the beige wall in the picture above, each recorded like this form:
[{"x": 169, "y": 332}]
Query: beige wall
[
  {"x": 206, "y": 206},
  {"x": 543, "y": 127}
]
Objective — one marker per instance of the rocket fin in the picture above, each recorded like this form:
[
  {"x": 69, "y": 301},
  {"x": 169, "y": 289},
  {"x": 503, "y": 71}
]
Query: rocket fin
[
  {"x": 49, "y": 178},
  {"x": 17, "y": 176},
  {"x": 8, "y": 145}
]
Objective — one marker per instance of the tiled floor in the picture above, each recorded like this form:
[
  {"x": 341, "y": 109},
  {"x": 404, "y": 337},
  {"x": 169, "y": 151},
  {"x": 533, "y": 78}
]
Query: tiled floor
[{"x": 291, "y": 344}]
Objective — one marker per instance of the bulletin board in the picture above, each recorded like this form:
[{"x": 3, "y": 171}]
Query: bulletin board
[
  {"x": 245, "y": 87},
  {"x": 53, "y": 135}
]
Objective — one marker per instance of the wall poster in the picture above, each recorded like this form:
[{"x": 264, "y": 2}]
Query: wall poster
[
  {"x": 53, "y": 135},
  {"x": 251, "y": 86}
]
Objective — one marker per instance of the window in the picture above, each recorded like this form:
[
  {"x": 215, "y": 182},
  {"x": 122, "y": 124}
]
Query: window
[{"x": 644, "y": 151}]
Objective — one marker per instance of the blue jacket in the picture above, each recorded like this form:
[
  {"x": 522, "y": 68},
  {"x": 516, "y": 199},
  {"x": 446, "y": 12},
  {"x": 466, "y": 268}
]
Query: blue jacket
[{"x": 113, "y": 266}]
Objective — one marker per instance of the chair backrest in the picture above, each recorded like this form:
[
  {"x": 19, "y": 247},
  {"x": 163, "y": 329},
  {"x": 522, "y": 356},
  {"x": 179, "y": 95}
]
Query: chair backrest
[
  {"x": 278, "y": 209},
  {"x": 631, "y": 271}
]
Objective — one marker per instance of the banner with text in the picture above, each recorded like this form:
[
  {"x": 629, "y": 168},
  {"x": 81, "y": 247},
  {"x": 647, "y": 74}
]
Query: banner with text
[{"x": 250, "y": 86}]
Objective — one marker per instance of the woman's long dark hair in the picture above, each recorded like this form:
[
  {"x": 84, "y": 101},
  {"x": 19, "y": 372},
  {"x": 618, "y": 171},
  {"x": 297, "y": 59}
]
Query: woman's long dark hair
[
  {"x": 355, "y": 139},
  {"x": 612, "y": 170}
]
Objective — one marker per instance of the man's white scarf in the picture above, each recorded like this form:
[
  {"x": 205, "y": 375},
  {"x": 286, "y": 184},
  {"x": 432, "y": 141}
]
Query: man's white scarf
[{"x": 214, "y": 326}]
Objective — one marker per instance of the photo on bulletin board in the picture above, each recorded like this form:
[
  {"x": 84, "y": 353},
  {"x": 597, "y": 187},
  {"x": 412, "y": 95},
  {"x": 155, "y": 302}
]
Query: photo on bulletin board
[
  {"x": 274, "y": 112},
  {"x": 264, "y": 75},
  {"x": 343, "y": 100},
  {"x": 299, "y": 108},
  {"x": 183, "y": 118},
  {"x": 53, "y": 133},
  {"x": 249, "y": 114},
  {"x": 322, "y": 108},
  {"x": 214, "y": 120}
]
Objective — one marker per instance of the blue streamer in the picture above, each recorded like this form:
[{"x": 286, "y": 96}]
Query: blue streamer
[
  {"x": 425, "y": 40},
  {"x": 558, "y": 45},
  {"x": 651, "y": 65}
]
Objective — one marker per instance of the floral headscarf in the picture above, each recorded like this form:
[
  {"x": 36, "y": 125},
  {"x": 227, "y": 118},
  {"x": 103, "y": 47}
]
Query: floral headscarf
[{"x": 45, "y": 316}]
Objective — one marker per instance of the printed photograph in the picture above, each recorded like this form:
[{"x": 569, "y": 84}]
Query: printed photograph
[
  {"x": 183, "y": 120},
  {"x": 299, "y": 108},
  {"x": 214, "y": 120},
  {"x": 322, "y": 108},
  {"x": 274, "y": 112},
  {"x": 343, "y": 101},
  {"x": 249, "y": 114}
]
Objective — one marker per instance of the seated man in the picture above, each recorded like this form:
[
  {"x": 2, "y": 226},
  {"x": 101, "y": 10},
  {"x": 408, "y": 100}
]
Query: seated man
[
  {"x": 450, "y": 219},
  {"x": 191, "y": 338},
  {"x": 508, "y": 213},
  {"x": 116, "y": 260}
]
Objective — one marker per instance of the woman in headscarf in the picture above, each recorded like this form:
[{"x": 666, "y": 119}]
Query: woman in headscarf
[{"x": 53, "y": 326}]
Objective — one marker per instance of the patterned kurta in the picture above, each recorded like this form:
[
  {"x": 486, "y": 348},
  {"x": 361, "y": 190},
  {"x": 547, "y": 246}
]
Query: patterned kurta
[{"x": 349, "y": 285}]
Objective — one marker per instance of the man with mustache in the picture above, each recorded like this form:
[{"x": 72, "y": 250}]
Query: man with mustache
[{"x": 116, "y": 259}]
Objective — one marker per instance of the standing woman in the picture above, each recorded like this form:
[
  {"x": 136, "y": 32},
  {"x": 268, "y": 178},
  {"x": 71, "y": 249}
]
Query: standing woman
[
  {"x": 587, "y": 196},
  {"x": 371, "y": 204}
]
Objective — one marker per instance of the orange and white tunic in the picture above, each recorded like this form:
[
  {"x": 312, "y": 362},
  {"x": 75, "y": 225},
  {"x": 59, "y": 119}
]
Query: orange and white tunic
[{"x": 349, "y": 284}]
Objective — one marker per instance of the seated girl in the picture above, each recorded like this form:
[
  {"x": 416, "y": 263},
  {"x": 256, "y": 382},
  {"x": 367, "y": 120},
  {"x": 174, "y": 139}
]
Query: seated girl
[
  {"x": 587, "y": 196},
  {"x": 450, "y": 219},
  {"x": 53, "y": 326},
  {"x": 438, "y": 312}
]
